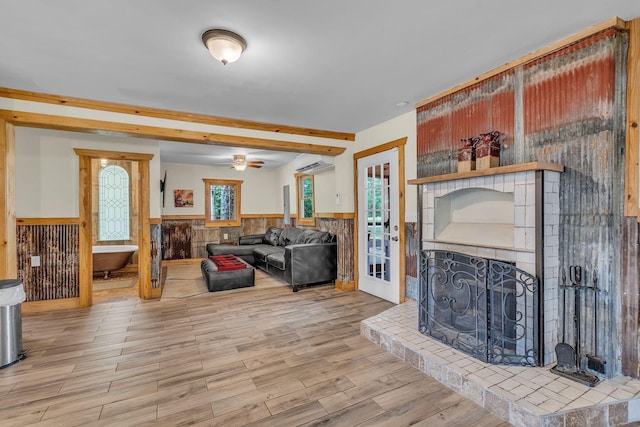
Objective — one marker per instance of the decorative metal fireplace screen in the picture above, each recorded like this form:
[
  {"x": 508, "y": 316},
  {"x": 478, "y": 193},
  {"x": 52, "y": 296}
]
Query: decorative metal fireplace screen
[{"x": 486, "y": 308}]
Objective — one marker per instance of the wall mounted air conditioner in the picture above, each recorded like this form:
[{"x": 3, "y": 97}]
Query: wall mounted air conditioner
[{"x": 313, "y": 163}]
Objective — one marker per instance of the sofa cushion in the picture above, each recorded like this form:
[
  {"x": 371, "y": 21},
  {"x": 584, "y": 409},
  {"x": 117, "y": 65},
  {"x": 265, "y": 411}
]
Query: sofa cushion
[
  {"x": 272, "y": 236},
  {"x": 262, "y": 252},
  {"x": 290, "y": 236},
  {"x": 313, "y": 236},
  {"x": 215, "y": 249},
  {"x": 276, "y": 260}
]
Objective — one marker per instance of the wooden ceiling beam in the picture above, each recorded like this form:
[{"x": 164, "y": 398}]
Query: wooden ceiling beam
[
  {"x": 172, "y": 115},
  {"x": 46, "y": 121}
]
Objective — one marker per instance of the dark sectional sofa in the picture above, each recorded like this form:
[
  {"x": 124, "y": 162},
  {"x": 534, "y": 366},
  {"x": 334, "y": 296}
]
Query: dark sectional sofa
[{"x": 295, "y": 255}]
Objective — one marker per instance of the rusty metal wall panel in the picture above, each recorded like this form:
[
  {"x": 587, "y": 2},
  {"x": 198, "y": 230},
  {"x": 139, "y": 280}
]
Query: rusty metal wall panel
[
  {"x": 478, "y": 109},
  {"x": 156, "y": 255},
  {"x": 571, "y": 104},
  {"x": 567, "y": 108},
  {"x": 630, "y": 306},
  {"x": 176, "y": 239},
  {"x": 411, "y": 251},
  {"x": 57, "y": 246}
]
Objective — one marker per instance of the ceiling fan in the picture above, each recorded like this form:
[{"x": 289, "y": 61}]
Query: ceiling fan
[{"x": 240, "y": 162}]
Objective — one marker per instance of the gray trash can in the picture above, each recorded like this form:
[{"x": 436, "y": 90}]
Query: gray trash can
[{"x": 11, "y": 296}]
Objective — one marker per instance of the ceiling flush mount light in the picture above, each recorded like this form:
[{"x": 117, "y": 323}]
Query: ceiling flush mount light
[{"x": 224, "y": 45}]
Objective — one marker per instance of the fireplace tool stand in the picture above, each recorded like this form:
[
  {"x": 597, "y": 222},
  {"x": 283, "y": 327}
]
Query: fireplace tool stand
[{"x": 570, "y": 358}]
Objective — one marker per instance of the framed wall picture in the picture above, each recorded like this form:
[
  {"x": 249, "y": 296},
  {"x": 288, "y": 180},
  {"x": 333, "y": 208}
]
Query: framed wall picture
[{"x": 183, "y": 198}]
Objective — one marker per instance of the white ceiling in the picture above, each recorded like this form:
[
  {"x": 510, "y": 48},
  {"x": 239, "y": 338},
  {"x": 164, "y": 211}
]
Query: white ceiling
[{"x": 339, "y": 65}]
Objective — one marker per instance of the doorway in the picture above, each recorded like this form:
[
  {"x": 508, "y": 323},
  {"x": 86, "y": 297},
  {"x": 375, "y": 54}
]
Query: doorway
[
  {"x": 380, "y": 225},
  {"x": 88, "y": 161}
]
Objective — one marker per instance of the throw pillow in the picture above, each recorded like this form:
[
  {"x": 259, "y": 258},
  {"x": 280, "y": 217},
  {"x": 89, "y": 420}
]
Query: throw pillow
[
  {"x": 311, "y": 236},
  {"x": 272, "y": 236},
  {"x": 289, "y": 236}
]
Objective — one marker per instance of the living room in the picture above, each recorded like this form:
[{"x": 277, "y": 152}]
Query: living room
[{"x": 52, "y": 152}]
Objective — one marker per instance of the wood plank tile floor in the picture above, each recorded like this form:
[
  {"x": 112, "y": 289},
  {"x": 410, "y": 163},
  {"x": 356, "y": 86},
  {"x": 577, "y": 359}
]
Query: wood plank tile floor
[{"x": 262, "y": 356}]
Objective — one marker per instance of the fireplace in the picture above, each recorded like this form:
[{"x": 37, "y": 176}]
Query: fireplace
[
  {"x": 486, "y": 308},
  {"x": 474, "y": 225}
]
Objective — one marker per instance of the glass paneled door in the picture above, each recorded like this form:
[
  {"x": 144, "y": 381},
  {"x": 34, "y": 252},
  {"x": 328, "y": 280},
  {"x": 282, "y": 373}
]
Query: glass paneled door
[{"x": 378, "y": 225}]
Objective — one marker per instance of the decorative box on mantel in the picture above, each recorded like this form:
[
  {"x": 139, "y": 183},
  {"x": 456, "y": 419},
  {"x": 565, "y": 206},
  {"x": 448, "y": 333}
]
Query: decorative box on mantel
[
  {"x": 467, "y": 154},
  {"x": 507, "y": 213},
  {"x": 488, "y": 150}
]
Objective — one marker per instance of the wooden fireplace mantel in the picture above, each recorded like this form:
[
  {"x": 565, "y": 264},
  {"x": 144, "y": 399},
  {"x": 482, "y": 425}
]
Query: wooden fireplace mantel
[{"x": 523, "y": 167}]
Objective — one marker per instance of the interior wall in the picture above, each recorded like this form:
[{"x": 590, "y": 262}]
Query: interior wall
[
  {"x": 286, "y": 176},
  {"x": 261, "y": 191},
  {"x": 47, "y": 176},
  {"x": 324, "y": 188},
  {"x": 396, "y": 128}
]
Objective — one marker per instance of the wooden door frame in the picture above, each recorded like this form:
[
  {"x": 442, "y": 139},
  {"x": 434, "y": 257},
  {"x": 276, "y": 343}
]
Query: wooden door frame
[
  {"x": 85, "y": 256},
  {"x": 399, "y": 144}
]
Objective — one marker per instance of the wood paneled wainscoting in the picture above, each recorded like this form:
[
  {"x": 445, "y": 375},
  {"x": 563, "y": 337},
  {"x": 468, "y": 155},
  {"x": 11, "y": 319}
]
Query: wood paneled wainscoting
[
  {"x": 55, "y": 284},
  {"x": 56, "y": 242}
]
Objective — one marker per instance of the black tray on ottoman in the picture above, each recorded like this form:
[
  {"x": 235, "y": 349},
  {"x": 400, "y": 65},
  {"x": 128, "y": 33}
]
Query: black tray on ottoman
[{"x": 219, "y": 279}]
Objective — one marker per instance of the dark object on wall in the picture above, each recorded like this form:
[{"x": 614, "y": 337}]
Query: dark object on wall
[{"x": 163, "y": 184}]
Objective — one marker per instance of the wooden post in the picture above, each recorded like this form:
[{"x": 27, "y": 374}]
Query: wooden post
[
  {"x": 631, "y": 206},
  {"x": 8, "y": 262},
  {"x": 85, "y": 255},
  {"x": 144, "y": 234}
]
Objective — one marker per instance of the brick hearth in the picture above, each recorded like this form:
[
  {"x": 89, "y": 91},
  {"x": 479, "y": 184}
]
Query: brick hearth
[{"x": 524, "y": 396}]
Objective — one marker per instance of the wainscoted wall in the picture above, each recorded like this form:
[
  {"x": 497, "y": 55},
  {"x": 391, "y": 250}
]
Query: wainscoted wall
[
  {"x": 156, "y": 255},
  {"x": 57, "y": 246},
  {"x": 411, "y": 254},
  {"x": 344, "y": 232},
  {"x": 187, "y": 238},
  {"x": 568, "y": 108}
]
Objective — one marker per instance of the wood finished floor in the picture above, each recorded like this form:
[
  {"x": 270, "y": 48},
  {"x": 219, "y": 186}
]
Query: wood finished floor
[{"x": 257, "y": 356}]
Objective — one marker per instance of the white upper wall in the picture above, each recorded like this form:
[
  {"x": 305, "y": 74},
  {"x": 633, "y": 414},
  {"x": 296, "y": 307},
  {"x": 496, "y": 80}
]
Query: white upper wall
[
  {"x": 45, "y": 190},
  {"x": 261, "y": 192},
  {"x": 47, "y": 171},
  {"x": 399, "y": 127}
]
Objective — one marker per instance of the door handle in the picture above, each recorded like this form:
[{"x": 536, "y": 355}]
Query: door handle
[{"x": 394, "y": 238}]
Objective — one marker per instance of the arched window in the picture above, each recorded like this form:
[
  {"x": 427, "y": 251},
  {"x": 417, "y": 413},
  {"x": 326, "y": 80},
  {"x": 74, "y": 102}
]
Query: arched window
[{"x": 113, "y": 203}]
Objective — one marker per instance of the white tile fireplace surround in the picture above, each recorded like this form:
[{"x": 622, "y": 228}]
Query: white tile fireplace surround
[{"x": 508, "y": 214}]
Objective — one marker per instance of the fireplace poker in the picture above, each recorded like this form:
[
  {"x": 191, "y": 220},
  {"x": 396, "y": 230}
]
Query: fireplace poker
[
  {"x": 575, "y": 275},
  {"x": 564, "y": 303},
  {"x": 594, "y": 362}
]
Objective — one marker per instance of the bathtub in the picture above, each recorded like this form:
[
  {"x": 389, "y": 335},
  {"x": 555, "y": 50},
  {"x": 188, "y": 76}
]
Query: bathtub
[{"x": 111, "y": 257}]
